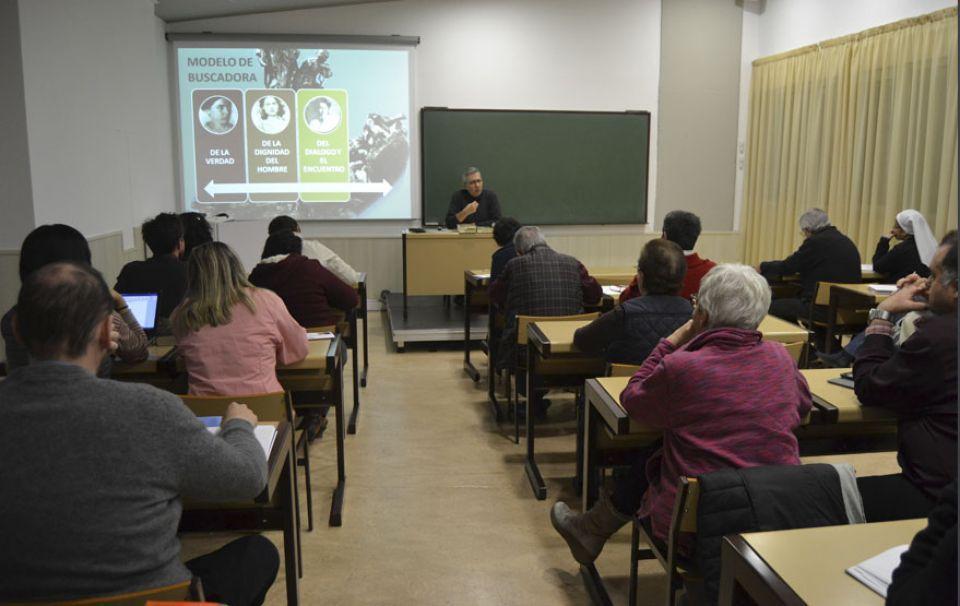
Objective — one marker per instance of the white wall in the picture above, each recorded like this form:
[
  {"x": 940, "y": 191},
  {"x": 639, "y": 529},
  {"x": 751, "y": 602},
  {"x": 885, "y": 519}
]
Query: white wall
[
  {"x": 788, "y": 24},
  {"x": 98, "y": 113}
]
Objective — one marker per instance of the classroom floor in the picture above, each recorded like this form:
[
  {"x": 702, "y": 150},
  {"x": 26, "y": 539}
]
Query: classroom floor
[{"x": 438, "y": 509}]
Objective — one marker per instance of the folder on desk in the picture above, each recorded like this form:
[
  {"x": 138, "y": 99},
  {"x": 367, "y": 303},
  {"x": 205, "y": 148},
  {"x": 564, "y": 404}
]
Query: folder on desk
[{"x": 877, "y": 572}]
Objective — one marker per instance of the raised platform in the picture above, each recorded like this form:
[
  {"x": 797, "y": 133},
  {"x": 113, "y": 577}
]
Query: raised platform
[{"x": 428, "y": 319}]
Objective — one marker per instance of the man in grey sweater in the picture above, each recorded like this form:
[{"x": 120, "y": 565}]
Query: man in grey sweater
[{"x": 93, "y": 470}]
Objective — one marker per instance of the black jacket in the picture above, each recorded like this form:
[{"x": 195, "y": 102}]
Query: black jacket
[
  {"x": 500, "y": 259},
  {"x": 899, "y": 261},
  {"x": 487, "y": 213},
  {"x": 918, "y": 381},
  {"x": 928, "y": 570},
  {"x": 628, "y": 333},
  {"x": 826, "y": 256},
  {"x": 163, "y": 275},
  {"x": 755, "y": 499}
]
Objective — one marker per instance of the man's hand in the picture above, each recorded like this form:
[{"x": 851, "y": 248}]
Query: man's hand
[
  {"x": 237, "y": 410},
  {"x": 468, "y": 210},
  {"x": 114, "y": 333},
  {"x": 118, "y": 301},
  {"x": 911, "y": 279},
  {"x": 902, "y": 300}
]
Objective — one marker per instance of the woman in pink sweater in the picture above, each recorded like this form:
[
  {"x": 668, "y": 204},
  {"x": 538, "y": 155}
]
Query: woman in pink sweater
[
  {"x": 230, "y": 334},
  {"x": 723, "y": 397}
]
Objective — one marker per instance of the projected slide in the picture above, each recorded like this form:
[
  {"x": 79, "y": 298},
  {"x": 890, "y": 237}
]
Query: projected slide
[{"x": 312, "y": 132}]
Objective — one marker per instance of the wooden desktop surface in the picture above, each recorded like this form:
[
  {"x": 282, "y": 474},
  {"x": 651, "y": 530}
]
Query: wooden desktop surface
[
  {"x": 316, "y": 360},
  {"x": 813, "y": 561},
  {"x": 862, "y": 289},
  {"x": 844, "y": 399}
]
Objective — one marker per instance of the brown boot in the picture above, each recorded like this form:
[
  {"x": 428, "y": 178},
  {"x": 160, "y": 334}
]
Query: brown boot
[{"x": 587, "y": 533}]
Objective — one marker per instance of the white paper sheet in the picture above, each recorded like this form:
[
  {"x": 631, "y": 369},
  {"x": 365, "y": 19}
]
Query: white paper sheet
[
  {"x": 886, "y": 289},
  {"x": 265, "y": 435},
  {"x": 877, "y": 572},
  {"x": 319, "y": 336}
]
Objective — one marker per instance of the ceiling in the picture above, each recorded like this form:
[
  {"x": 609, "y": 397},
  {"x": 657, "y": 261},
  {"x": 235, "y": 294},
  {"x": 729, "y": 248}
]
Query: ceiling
[{"x": 173, "y": 11}]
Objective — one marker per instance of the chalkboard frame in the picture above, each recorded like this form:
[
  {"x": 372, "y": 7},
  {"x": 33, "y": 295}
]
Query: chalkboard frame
[{"x": 423, "y": 169}]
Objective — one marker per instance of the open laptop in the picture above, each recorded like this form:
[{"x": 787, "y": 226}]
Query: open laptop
[{"x": 144, "y": 309}]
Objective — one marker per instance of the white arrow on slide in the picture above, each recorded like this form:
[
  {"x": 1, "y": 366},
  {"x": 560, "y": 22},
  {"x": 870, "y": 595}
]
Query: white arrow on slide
[{"x": 213, "y": 188}]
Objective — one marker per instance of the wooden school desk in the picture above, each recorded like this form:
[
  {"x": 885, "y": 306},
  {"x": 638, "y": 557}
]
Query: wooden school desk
[
  {"x": 361, "y": 288},
  {"x": 273, "y": 509},
  {"x": 321, "y": 371},
  {"x": 807, "y": 565},
  {"x": 434, "y": 261},
  {"x": 853, "y": 297},
  {"x": 549, "y": 342},
  {"x": 836, "y": 424}
]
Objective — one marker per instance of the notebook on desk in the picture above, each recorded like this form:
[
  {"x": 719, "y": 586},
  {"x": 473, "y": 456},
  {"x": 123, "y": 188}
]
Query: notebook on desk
[
  {"x": 265, "y": 434},
  {"x": 143, "y": 306}
]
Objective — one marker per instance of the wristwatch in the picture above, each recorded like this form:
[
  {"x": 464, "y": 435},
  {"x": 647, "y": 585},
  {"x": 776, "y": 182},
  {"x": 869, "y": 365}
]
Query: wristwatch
[{"x": 879, "y": 314}]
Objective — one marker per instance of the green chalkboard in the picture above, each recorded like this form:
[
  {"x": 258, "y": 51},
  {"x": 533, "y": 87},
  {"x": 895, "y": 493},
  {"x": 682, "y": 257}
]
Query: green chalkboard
[{"x": 547, "y": 167}]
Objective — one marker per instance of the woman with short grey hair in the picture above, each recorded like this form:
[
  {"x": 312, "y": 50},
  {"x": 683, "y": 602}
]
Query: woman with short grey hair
[{"x": 723, "y": 398}]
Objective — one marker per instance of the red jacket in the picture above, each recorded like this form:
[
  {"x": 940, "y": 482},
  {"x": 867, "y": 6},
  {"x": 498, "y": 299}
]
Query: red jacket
[
  {"x": 309, "y": 290},
  {"x": 697, "y": 268},
  {"x": 727, "y": 399}
]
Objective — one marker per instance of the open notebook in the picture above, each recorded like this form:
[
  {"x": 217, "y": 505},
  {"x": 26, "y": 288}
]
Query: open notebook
[
  {"x": 265, "y": 434},
  {"x": 877, "y": 572}
]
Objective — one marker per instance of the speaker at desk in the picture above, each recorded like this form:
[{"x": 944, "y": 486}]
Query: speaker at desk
[{"x": 547, "y": 167}]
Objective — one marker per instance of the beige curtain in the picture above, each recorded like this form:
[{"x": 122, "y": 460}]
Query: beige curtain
[{"x": 862, "y": 126}]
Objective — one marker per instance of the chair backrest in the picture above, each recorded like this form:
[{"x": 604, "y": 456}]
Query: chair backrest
[
  {"x": 823, "y": 293},
  {"x": 844, "y": 316},
  {"x": 685, "y": 507},
  {"x": 178, "y": 592},
  {"x": 524, "y": 321},
  {"x": 267, "y": 406},
  {"x": 622, "y": 370},
  {"x": 795, "y": 349}
]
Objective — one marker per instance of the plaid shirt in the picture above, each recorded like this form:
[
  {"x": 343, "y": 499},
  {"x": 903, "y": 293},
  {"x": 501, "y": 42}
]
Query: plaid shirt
[{"x": 541, "y": 282}]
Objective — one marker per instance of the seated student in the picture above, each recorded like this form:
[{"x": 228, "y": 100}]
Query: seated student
[
  {"x": 96, "y": 512},
  {"x": 229, "y": 333},
  {"x": 683, "y": 228},
  {"x": 918, "y": 381},
  {"x": 826, "y": 255},
  {"x": 196, "y": 231},
  {"x": 49, "y": 244},
  {"x": 315, "y": 250},
  {"x": 163, "y": 273},
  {"x": 628, "y": 333},
  {"x": 912, "y": 255},
  {"x": 723, "y": 397},
  {"x": 503, "y": 233},
  {"x": 310, "y": 291},
  {"x": 927, "y": 573},
  {"x": 539, "y": 282}
]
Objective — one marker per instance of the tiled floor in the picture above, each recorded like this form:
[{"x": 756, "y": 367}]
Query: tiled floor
[{"x": 437, "y": 507}]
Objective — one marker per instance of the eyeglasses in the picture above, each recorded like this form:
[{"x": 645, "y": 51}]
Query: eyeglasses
[{"x": 474, "y": 181}]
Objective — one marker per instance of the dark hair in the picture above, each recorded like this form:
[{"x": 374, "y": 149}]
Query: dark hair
[
  {"x": 196, "y": 231},
  {"x": 663, "y": 267},
  {"x": 504, "y": 229},
  {"x": 282, "y": 242},
  {"x": 59, "y": 307},
  {"x": 281, "y": 223},
  {"x": 948, "y": 267},
  {"x": 682, "y": 227},
  {"x": 49, "y": 244},
  {"x": 162, "y": 233}
]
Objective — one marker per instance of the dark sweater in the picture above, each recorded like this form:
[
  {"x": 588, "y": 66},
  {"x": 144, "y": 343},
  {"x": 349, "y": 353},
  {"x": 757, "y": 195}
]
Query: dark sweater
[
  {"x": 918, "y": 381},
  {"x": 500, "y": 259},
  {"x": 487, "y": 213},
  {"x": 164, "y": 275},
  {"x": 899, "y": 261},
  {"x": 927, "y": 574},
  {"x": 93, "y": 475},
  {"x": 826, "y": 256},
  {"x": 309, "y": 290},
  {"x": 628, "y": 333}
]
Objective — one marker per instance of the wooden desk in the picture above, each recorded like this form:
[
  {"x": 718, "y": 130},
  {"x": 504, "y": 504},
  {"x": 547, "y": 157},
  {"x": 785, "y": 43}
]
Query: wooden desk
[
  {"x": 274, "y": 509},
  {"x": 434, "y": 261},
  {"x": 361, "y": 288},
  {"x": 321, "y": 371},
  {"x": 808, "y": 565},
  {"x": 856, "y": 297}
]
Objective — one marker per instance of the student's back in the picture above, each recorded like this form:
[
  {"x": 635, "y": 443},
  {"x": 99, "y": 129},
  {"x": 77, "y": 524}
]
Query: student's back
[{"x": 312, "y": 293}]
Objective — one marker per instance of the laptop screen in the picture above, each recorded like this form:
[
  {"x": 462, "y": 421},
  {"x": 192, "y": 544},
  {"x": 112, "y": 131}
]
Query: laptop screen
[{"x": 144, "y": 308}]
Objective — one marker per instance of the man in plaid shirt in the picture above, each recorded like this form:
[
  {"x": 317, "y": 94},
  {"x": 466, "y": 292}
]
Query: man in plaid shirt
[{"x": 539, "y": 282}]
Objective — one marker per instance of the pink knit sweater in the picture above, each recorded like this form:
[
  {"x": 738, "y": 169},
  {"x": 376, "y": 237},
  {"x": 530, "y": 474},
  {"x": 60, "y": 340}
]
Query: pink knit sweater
[{"x": 727, "y": 399}]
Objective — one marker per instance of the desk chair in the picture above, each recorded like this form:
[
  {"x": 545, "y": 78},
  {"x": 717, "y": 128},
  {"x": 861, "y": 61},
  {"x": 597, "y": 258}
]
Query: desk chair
[
  {"x": 848, "y": 321},
  {"x": 677, "y": 564},
  {"x": 550, "y": 367},
  {"x": 186, "y": 591}
]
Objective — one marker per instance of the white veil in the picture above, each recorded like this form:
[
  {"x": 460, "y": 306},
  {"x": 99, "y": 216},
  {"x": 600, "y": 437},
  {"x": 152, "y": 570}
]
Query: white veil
[{"x": 914, "y": 224}]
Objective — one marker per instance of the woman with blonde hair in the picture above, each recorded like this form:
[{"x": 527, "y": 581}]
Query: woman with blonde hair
[{"x": 230, "y": 334}]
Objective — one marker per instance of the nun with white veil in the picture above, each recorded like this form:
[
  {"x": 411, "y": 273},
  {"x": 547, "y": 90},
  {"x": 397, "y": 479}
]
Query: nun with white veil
[{"x": 914, "y": 252}]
